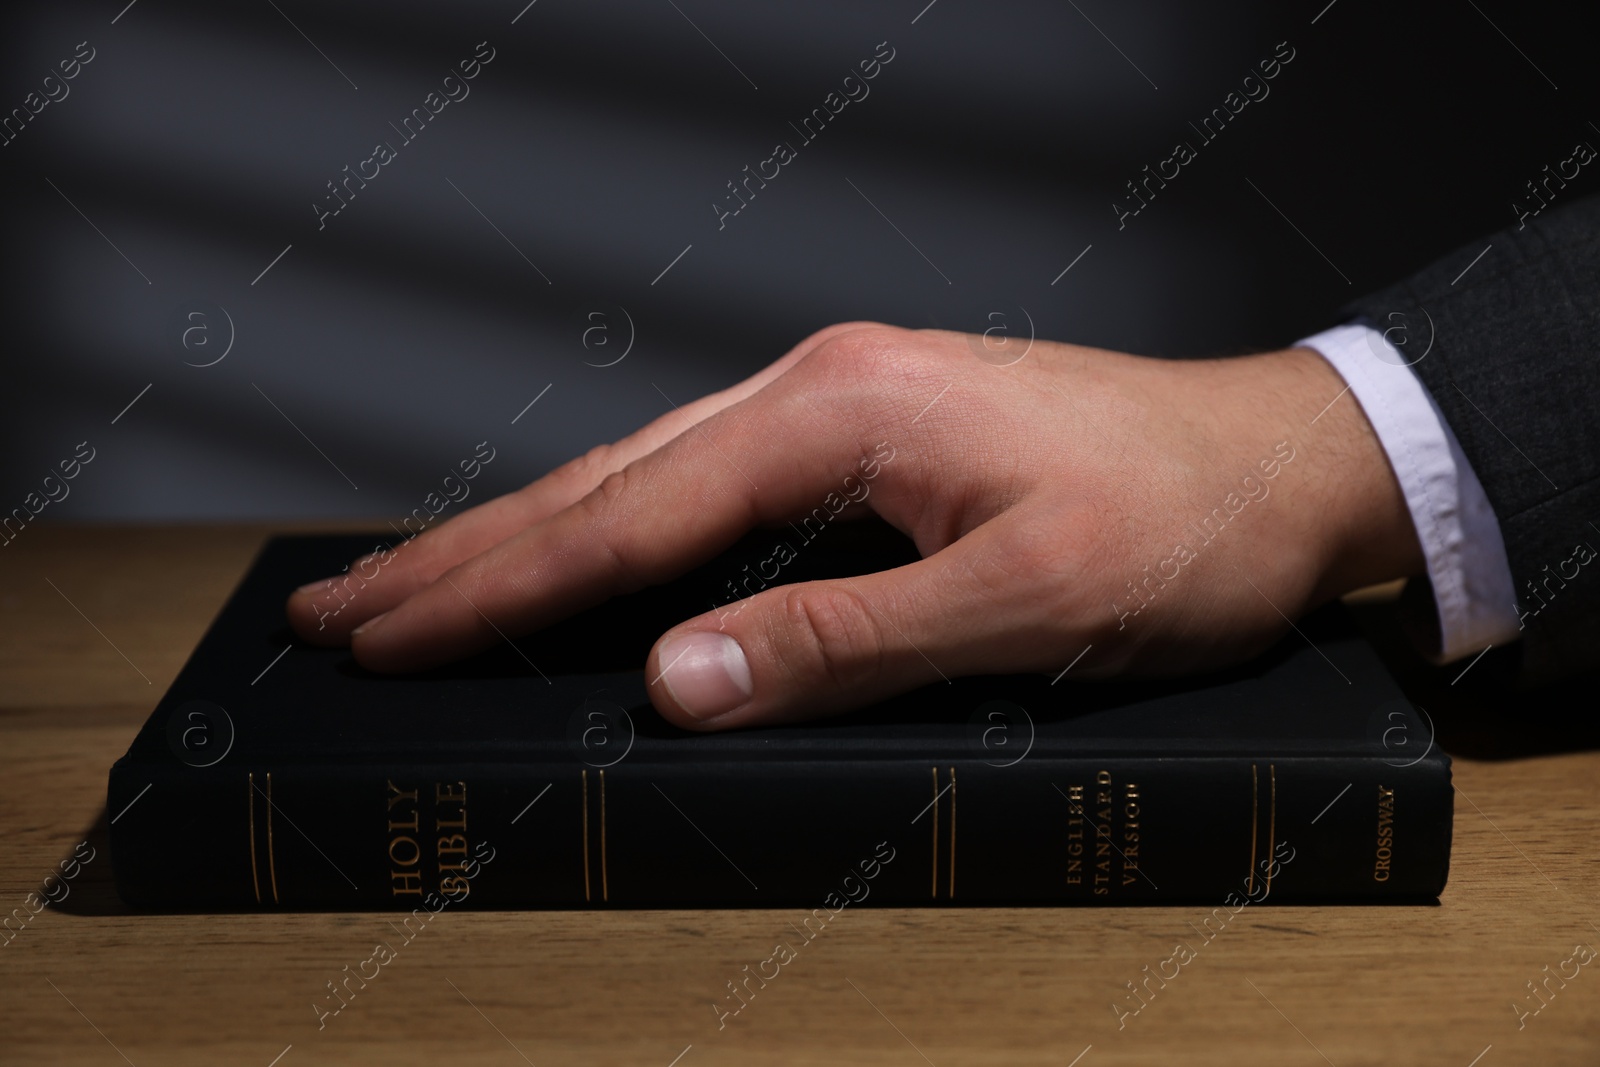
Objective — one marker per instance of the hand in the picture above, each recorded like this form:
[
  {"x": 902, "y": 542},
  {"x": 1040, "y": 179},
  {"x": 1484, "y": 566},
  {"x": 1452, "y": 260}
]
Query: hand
[{"x": 1165, "y": 515}]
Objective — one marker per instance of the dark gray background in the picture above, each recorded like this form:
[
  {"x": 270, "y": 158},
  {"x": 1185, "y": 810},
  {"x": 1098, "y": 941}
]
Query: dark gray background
[{"x": 408, "y": 330}]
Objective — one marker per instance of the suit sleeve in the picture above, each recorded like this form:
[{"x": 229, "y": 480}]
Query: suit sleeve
[{"x": 1513, "y": 363}]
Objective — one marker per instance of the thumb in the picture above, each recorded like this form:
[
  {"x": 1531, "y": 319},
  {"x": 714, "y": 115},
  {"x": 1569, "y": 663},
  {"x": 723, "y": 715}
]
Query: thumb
[{"x": 813, "y": 648}]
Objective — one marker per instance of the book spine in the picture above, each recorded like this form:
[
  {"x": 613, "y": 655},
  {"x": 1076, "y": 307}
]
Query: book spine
[{"x": 1042, "y": 831}]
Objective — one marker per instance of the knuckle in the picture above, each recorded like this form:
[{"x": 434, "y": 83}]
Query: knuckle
[
  {"x": 608, "y": 493},
  {"x": 592, "y": 467},
  {"x": 868, "y": 352},
  {"x": 578, "y": 475},
  {"x": 603, "y": 518},
  {"x": 828, "y": 332},
  {"x": 835, "y": 634}
]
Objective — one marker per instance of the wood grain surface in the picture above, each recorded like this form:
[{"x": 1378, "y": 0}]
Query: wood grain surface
[{"x": 97, "y": 621}]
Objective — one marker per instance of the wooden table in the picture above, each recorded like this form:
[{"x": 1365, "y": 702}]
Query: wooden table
[{"x": 97, "y": 621}]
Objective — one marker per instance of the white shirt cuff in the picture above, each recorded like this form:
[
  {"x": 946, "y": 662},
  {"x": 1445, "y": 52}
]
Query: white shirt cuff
[{"x": 1466, "y": 556}]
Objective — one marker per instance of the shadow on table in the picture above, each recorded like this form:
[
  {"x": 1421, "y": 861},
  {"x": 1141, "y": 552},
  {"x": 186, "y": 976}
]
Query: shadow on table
[{"x": 91, "y": 891}]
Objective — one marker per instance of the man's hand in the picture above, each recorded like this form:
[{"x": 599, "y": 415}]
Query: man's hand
[{"x": 1079, "y": 506}]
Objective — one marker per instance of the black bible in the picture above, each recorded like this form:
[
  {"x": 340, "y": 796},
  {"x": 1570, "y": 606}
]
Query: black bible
[{"x": 274, "y": 775}]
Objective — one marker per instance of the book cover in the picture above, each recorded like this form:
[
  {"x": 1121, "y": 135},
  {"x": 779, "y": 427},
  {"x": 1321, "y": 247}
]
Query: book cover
[{"x": 274, "y": 775}]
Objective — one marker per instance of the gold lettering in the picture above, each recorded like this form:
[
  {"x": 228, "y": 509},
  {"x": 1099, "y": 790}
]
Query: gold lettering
[
  {"x": 1075, "y": 835},
  {"x": 396, "y": 795},
  {"x": 403, "y": 882},
  {"x": 450, "y": 793},
  {"x": 1384, "y": 844},
  {"x": 411, "y": 842}
]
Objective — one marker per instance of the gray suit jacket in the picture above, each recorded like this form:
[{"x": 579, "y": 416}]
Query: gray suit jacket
[{"x": 1515, "y": 367}]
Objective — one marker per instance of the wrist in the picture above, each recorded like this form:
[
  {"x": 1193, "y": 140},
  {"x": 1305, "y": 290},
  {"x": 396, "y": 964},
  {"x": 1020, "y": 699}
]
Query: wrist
[{"x": 1368, "y": 535}]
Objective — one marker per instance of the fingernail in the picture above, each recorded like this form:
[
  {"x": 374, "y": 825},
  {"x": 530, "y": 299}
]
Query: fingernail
[
  {"x": 369, "y": 624},
  {"x": 706, "y": 673}
]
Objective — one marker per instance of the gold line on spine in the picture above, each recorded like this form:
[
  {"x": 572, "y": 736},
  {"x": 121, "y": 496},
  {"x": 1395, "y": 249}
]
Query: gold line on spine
[
  {"x": 1250, "y": 885},
  {"x": 585, "y": 774},
  {"x": 272, "y": 865},
  {"x": 952, "y": 833},
  {"x": 605, "y": 888},
  {"x": 1272, "y": 823},
  {"x": 935, "y": 892},
  {"x": 255, "y": 875}
]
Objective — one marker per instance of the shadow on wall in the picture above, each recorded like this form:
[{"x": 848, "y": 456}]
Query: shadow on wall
[{"x": 289, "y": 260}]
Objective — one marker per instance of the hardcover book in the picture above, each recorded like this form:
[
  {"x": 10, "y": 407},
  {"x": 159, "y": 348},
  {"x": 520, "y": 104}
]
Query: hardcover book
[{"x": 274, "y": 775}]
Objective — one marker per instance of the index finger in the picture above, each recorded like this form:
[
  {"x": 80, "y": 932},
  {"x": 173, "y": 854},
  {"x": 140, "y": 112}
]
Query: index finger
[
  {"x": 759, "y": 460},
  {"x": 326, "y": 612}
]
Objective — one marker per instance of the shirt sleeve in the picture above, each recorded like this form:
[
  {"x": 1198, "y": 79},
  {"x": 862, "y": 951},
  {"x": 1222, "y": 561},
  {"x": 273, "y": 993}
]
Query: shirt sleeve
[{"x": 1468, "y": 570}]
